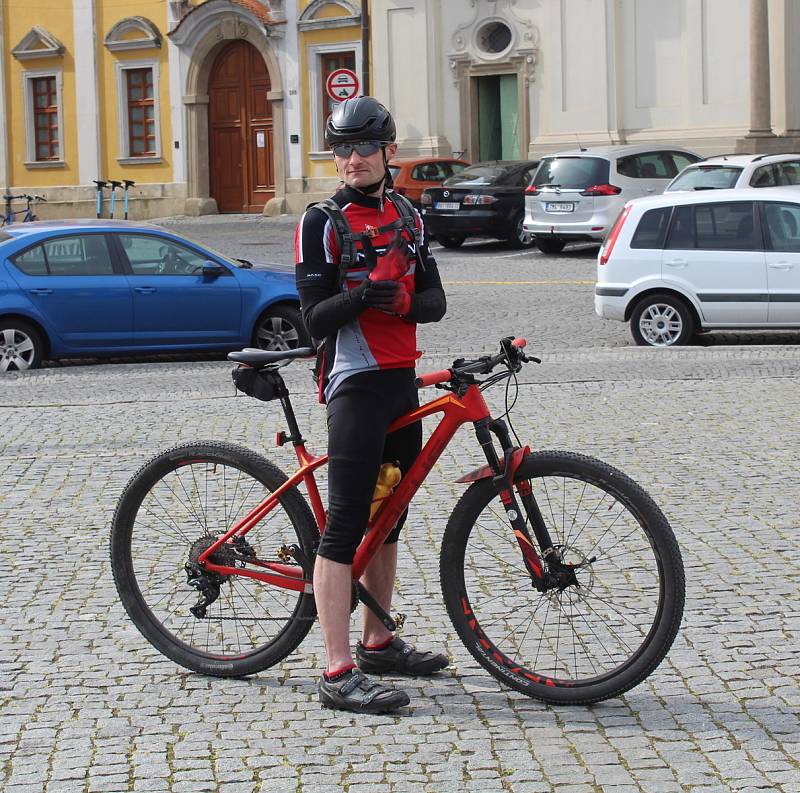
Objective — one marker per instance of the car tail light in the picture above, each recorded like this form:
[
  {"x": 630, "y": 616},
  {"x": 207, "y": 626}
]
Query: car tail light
[
  {"x": 608, "y": 245},
  {"x": 602, "y": 189},
  {"x": 426, "y": 199},
  {"x": 532, "y": 189},
  {"x": 475, "y": 199}
]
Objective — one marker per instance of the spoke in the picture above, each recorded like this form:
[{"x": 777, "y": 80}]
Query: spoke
[
  {"x": 610, "y": 630},
  {"x": 635, "y": 530},
  {"x": 568, "y": 535},
  {"x": 615, "y": 609}
]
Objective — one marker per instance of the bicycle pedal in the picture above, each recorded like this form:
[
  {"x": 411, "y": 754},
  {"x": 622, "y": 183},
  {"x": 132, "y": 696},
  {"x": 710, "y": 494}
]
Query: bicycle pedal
[{"x": 399, "y": 620}]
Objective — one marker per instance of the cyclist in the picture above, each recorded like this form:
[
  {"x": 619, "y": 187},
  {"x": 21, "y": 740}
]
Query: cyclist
[{"x": 366, "y": 307}]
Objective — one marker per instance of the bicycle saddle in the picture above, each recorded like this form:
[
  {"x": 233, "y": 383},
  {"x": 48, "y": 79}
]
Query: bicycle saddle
[{"x": 258, "y": 359}]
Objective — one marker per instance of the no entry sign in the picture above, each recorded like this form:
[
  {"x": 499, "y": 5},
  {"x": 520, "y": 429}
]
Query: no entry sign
[{"x": 342, "y": 84}]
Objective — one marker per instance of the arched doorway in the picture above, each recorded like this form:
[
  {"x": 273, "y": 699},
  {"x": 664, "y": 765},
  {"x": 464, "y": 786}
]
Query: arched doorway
[{"x": 240, "y": 127}]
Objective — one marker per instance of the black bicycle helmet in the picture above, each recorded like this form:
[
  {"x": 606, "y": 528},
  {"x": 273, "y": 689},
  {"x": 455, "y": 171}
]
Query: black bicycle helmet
[{"x": 360, "y": 118}]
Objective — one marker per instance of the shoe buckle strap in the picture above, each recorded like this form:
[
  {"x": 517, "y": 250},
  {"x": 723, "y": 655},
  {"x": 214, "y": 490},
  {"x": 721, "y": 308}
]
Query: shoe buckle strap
[{"x": 354, "y": 682}]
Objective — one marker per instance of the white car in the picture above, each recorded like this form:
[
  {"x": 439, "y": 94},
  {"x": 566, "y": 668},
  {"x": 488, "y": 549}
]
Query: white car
[
  {"x": 685, "y": 262},
  {"x": 739, "y": 170},
  {"x": 575, "y": 195}
]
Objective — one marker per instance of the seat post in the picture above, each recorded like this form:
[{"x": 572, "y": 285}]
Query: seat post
[{"x": 294, "y": 430}]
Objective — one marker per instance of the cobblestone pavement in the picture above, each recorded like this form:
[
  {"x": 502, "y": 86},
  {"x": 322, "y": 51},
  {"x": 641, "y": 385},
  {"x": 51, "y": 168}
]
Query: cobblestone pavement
[{"x": 711, "y": 432}]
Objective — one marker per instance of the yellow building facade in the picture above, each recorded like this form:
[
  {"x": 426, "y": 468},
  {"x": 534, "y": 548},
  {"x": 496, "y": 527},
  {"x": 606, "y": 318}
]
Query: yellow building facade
[{"x": 206, "y": 105}]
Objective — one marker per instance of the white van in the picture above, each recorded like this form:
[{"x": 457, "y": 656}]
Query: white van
[
  {"x": 680, "y": 262},
  {"x": 574, "y": 196}
]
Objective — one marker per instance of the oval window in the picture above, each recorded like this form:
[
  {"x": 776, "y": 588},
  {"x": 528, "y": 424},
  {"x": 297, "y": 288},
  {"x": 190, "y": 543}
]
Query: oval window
[{"x": 494, "y": 37}]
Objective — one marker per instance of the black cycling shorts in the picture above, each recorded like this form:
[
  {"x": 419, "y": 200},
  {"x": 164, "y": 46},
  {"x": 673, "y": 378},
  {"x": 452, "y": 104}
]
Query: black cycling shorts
[{"x": 359, "y": 413}]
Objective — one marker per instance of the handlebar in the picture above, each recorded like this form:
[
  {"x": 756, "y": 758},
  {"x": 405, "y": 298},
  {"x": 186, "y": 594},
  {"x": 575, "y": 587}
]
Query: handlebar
[{"x": 511, "y": 354}]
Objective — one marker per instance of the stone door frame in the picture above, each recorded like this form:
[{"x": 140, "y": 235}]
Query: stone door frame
[{"x": 221, "y": 29}]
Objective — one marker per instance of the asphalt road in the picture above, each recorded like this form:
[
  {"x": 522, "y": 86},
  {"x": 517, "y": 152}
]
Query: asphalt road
[{"x": 710, "y": 431}]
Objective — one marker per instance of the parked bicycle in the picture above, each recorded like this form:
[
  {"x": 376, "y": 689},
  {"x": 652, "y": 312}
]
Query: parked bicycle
[
  {"x": 560, "y": 575},
  {"x": 10, "y": 214}
]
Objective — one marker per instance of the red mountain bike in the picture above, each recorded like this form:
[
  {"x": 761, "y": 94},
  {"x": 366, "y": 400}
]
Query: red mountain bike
[{"x": 560, "y": 574}]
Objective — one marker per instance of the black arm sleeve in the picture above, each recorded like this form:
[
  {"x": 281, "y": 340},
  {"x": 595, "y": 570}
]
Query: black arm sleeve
[
  {"x": 325, "y": 309},
  {"x": 429, "y": 303}
]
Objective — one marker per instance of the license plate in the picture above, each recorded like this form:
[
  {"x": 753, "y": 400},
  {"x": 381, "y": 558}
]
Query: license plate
[
  {"x": 559, "y": 206},
  {"x": 446, "y": 205}
]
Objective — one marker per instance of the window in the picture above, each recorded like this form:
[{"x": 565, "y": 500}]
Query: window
[
  {"x": 789, "y": 172},
  {"x": 707, "y": 177},
  {"x": 571, "y": 173},
  {"x": 720, "y": 227},
  {"x": 158, "y": 256},
  {"x": 329, "y": 62},
  {"x": 653, "y": 165},
  {"x": 766, "y": 176},
  {"x": 45, "y": 117},
  {"x": 141, "y": 112},
  {"x": 652, "y": 229},
  {"x": 681, "y": 160},
  {"x": 32, "y": 261},
  {"x": 80, "y": 255},
  {"x": 435, "y": 171},
  {"x": 783, "y": 227},
  {"x": 138, "y": 109},
  {"x": 44, "y": 145},
  {"x": 85, "y": 254}
]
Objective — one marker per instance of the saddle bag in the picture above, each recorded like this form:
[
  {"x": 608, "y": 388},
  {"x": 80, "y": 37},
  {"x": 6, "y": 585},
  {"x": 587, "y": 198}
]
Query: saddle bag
[{"x": 265, "y": 384}]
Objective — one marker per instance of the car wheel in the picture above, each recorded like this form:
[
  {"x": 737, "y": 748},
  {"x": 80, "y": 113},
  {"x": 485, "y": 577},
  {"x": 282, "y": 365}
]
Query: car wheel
[
  {"x": 662, "y": 320},
  {"x": 450, "y": 242},
  {"x": 520, "y": 237},
  {"x": 547, "y": 245},
  {"x": 280, "y": 328},
  {"x": 21, "y": 346}
]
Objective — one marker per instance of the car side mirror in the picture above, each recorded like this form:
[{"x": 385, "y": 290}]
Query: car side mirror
[{"x": 212, "y": 269}]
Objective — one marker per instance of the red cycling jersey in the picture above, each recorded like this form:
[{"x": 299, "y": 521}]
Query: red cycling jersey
[{"x": 358, "y": 338}]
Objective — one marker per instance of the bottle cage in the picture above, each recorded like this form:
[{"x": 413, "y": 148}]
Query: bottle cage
[{"x": 346, "y": 238}]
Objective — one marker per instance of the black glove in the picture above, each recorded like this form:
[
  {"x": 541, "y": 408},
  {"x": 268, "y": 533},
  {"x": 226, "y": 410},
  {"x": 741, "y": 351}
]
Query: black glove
[{"x": 376, "y": 294}]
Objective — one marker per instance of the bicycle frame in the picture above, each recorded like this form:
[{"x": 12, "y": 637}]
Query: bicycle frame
[{"x": 457, "y": 409}]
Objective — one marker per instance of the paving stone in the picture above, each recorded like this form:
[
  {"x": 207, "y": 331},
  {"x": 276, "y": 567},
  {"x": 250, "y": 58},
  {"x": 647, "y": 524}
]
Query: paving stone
[{"x": 709, "y": 430}]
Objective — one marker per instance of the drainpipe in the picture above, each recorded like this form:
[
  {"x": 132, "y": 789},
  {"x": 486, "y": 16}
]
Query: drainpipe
[{"x": 365, "y": 47}]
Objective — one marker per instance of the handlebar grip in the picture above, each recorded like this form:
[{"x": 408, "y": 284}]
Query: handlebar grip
[
  {"x": 519, "y": 343},
  {"x": 431, "y": 378}
]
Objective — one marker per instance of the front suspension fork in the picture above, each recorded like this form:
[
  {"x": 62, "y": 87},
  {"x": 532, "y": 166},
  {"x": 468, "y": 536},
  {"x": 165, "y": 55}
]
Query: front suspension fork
[{"x": 503, "y": 481}]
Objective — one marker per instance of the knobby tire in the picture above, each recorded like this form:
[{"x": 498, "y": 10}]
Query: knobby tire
[
  {"x": 587, "y": 643},
  {"x": 196, "y": 491}
]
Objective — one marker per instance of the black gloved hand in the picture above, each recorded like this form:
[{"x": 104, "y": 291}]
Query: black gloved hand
[{"x": 377, "y": 294}]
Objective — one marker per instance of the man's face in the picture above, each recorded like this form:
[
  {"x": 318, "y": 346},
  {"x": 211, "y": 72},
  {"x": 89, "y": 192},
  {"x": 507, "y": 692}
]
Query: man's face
[{"x": 359, "y": 171}]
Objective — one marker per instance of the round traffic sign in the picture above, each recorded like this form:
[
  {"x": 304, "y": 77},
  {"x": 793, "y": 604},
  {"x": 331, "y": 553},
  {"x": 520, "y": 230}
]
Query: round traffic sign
[{"x": 342, "y": 84}]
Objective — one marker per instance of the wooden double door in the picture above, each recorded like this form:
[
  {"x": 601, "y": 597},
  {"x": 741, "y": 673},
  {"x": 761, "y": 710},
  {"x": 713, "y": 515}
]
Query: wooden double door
[{"x": 241, "y": 154}]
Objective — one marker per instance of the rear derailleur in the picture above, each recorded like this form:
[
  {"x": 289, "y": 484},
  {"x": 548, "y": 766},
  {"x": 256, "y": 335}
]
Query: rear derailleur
[{"x": 208, "y": 583}]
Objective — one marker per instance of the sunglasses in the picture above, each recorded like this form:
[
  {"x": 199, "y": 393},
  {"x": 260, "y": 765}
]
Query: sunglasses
[{"x": 363, "y": 149}]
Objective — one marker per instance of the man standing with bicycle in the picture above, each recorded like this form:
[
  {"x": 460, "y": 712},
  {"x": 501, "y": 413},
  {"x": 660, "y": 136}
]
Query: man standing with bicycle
[{"x": 365, "y": 278}]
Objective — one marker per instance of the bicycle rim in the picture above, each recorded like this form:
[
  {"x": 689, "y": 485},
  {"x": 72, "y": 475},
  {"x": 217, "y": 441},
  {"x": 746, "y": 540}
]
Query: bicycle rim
[
  {"x": 177, "y": 505},
  {"x": 592, "y": 640}
]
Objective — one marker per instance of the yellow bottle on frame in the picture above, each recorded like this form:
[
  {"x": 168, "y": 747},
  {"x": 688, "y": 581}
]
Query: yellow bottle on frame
[{"x": 388, "y": 477}]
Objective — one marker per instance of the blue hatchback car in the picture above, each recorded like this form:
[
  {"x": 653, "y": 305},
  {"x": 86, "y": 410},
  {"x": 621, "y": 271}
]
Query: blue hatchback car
[{"x": 94, "y": 288}]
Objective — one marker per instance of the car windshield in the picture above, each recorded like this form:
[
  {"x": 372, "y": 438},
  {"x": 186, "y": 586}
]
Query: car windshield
[
  {"x": 571, "y": 173},
  {"x": 477, "y": 175},
  {"x": 393, "y": 170},
  {"x": 707, "y": 177}
]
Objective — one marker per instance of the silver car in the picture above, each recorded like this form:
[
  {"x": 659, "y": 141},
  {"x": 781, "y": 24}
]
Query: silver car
[{"x": 575, "y": 196}]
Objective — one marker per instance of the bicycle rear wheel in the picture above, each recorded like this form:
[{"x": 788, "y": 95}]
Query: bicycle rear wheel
[
  {"x": 588, "y": 642},
  {"x": 174, "y": 508}
]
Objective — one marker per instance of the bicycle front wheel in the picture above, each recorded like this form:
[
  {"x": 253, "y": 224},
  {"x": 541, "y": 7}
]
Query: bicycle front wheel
[
  {"x": 589, "y": 641},
  {"x": 177, "y": 505}
]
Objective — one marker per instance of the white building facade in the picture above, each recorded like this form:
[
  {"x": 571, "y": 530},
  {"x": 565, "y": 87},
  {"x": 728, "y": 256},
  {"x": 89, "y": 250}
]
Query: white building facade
[{"x": 520, "y": 78}]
